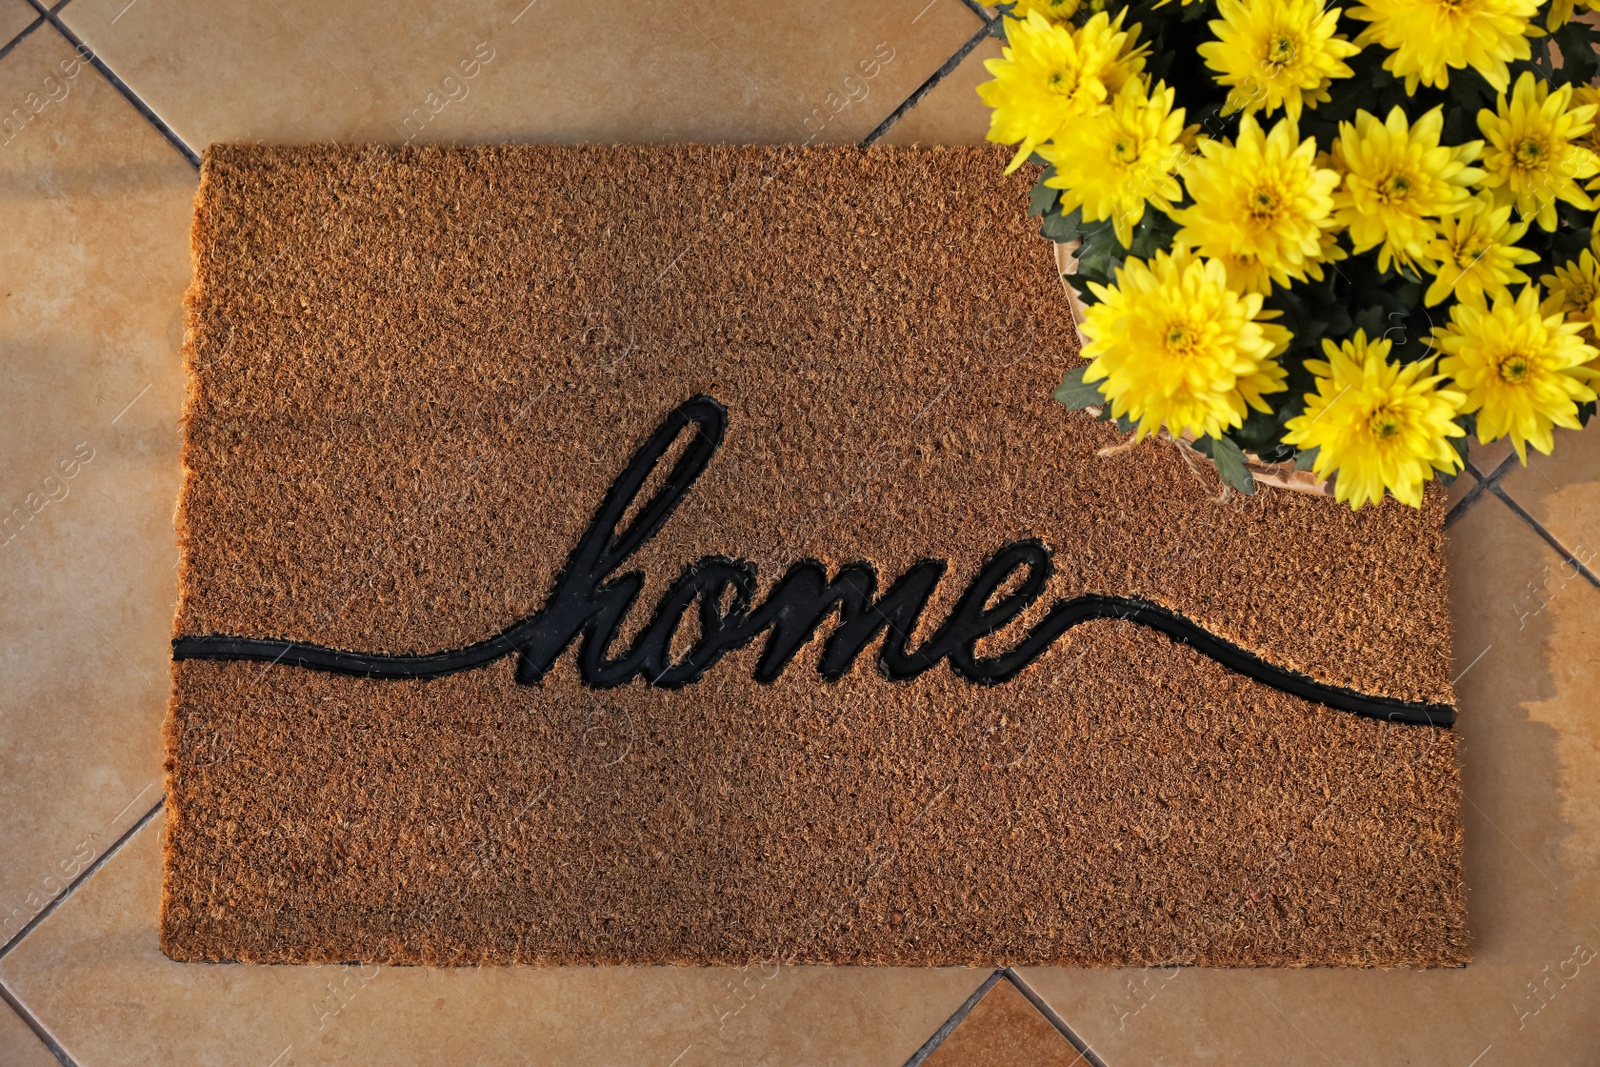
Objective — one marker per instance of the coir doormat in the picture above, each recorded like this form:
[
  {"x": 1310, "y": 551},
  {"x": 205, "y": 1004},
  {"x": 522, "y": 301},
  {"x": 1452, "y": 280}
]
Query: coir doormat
[{"x": 674, "y": 555}]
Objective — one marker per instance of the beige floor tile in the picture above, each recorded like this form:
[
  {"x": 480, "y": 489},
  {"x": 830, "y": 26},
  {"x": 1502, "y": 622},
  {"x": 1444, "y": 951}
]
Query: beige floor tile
[
  {"x": 1525, "y": 637},
  {"x": 15, "y": 16},
  {"x": 93, "y": 974},
  {"x": 1004, "y": 1030},
  {"x": 1562, "y": 491},
  {"x": 1464, "y": 483},
  {"x": 951, "y": 113},
  {"x": 1488, "y": 457},
  {"x": 551, "y": 70},
  {"x": 19, "y": 1046},
  {"x": 95, "y": 219}
]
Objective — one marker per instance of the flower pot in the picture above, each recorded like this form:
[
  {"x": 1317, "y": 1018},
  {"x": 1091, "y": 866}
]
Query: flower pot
[{"x": 1277, "y": 475}]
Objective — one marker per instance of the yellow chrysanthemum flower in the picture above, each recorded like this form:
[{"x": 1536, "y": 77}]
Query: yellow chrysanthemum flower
[
  {"x": 1561, "y": 12},
  {"x": 1261, "y": 202},
  {"x": 1050, "y": 75},
  {"x": 1054, "y": 10},
  {"x": 1276, "y": 53},
  {"x": 1573, "y": 289},
  {"x": 1329, "y": 253},
  {"x": 1476, "y": 252},
  {"x": 1376, "y": 425},
  {"x": 1397, "y": 178},
  {"x": 1176, "y": 346},
  {"x": 1588, "y": 96},
  {"x": 1522, "y": 371},
  {"x": 1121, "y": 158},
  {"x": 1532, "y": 160},
  {"x": 1190, "y": 139},
  {"x": 1428, "y": 37}
]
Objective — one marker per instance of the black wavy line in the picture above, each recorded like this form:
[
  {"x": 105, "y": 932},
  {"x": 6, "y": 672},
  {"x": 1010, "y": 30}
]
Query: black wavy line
[
  {"x": 591, "y": 596},
  {"x": 1065, "y": 615}
]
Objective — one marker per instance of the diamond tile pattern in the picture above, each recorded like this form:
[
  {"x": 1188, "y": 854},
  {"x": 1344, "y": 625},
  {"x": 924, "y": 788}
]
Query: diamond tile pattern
[
  {"x": 95, "y": 225},
  {"x": 95, "y": 219},
  {"x": 1003, "y": 1029}
]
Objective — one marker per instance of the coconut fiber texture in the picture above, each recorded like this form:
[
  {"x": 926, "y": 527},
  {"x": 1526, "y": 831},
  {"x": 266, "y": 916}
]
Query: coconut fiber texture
[{"x": 414, "y": 377}]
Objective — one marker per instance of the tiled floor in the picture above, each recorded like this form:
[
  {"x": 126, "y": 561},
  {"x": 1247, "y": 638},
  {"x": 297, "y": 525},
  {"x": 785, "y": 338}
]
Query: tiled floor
[{"x": 106, "y": 105}]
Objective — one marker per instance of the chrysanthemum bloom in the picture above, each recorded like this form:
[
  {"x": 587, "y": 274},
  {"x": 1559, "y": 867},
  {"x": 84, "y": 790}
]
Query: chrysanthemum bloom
[
  {"x": 1175, "y": 345},
  {"x": 1330, "y": 253},
  {"x": 1532, "y": 160},
  {"x": 1054, "y": 10},
  {"x": 1191, "y": 138},
  {"x": 1573, "y": 289},
  {"x": 1583, "y": 96},
  {"x": 1397, "y": 179},
  {"x": 1561, "y": 12},
  {"x": 1276, "y": 53},
  {"x": 1476, "y": 252},
  {"x": 1120, "y": 158},
  {"x": 1522, "y": 371},
  {"x": 1050, "y": 75},
  {"x": 1261, "y": 200},
  {"x": 1428, "y": 37},
  {"x": 1377, "y": 425}
]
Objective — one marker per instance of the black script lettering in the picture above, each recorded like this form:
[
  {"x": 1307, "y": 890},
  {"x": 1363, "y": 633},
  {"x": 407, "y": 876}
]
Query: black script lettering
[
  {"x": 592, "y": 596},
  {"x": 583, "y": 600},
  {"x": 973, "y": 619}
]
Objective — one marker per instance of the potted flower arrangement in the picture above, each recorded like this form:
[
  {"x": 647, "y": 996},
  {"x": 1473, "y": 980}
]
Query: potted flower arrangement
[{"x": 1327, "y": 240}]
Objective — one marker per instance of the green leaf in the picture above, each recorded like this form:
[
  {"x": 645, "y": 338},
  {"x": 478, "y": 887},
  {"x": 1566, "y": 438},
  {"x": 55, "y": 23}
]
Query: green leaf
[
  {"x": 1372, "y": 320},
  {"x": 1043, "y": 198},
  {"x": 1075, "y": 394},
  {"x": 1230, "y": 465},
  {"x": 1153, "y": 234},
  {"x": 1259, "y": 431},
  {"x": 1081, "y": 284},
  {"x": 1099, "y": 248},
  {"x": 1060, "y": 228},
  {"x": 1339, "y": 324},
  {"x": 1470, "y": 92},
  {"x": 1305, "y": 459}
]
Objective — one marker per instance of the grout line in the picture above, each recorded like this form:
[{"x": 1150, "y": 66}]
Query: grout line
[
  {"x": 100, "y": 861},
  {"x": 922, "y": 90},
  {"x": 1479, "y": 487},
  {"x": 1043, "y": 1008},
  {"x": 1501, "y": 469},
  {"x": 954, "y": 1021},
  {"x": 1549, "y": 538},
  {"x": 5, "y": 49},
  {"x": 977, "y": 9},
  {"x": 36, "y": 1026},
  {"x": 85, "y": 52},
  {"x": 1485, "y": 483}
]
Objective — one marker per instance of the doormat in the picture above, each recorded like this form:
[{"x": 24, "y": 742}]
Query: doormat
[{"x": 674, "y": 555}]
